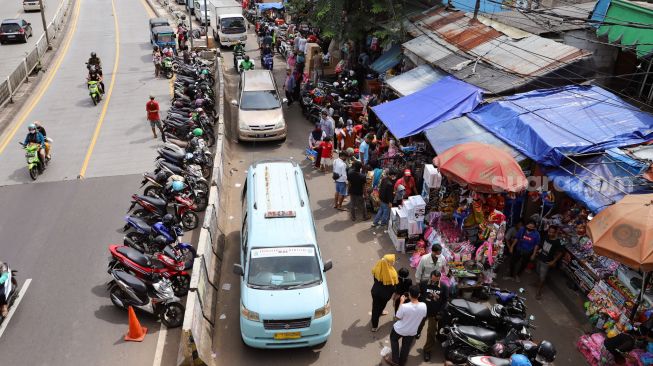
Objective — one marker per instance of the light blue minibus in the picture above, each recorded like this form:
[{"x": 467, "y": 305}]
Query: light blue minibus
[{"x": 284, "y": 299}]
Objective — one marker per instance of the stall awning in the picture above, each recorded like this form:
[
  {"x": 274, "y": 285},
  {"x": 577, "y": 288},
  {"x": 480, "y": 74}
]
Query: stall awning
[
  {"x": 441, "y": 101},
  {"x": 461, "y": 130},
  {"x": 548, "y": 124},
  {"x": 624, "y": 12},
  {"x": 599, "y": 181},
  {"x": 387, "y": 60},
  {"x": 415, "y": 79},
  {"x": 266, "y": 6}
]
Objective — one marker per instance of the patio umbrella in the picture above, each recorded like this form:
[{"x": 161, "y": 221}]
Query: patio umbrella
[
  {"x": 624, "y": 232},
  {"x": 482, "y": 167}
]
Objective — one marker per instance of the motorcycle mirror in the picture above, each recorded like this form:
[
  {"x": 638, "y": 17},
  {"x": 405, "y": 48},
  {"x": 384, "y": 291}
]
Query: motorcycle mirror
[
  {"x": 284, "y": 100},
  {"x": 521, "y": 290},
  {"x": 234, "y": 102},
  {"x": 531, "y": 318}
]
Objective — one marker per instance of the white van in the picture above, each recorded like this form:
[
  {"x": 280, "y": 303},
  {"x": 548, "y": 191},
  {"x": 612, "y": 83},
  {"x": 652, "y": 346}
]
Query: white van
[
  {"x": 202, "y": 12},
  {"x": 284, "y": 298},
  {"x": 260, "y": 116}
]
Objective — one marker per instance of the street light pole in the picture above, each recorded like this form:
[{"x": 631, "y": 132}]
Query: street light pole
[{"x": 45, "y": 26}]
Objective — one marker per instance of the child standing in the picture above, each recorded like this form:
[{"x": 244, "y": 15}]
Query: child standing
[{"x": 326, "y": 153}]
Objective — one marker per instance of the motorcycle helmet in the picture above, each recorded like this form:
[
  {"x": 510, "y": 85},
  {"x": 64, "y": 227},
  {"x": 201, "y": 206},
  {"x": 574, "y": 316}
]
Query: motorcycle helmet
[
  {"x": 199, "y": 110},
  {"x": 168, "y": 219},
  {"x": 93, "y": 54},
  {"x": 354, "y": 82},
  {"x": 31, "y": 127},
  {"x": 197, "y": 132},
  {"x": 336, "y": 84},
  {"x": 352, "y": 73},
  {"x": 205, "y": 72},
  {"x": 188, "y": 156},
  {"x": 177, "y": 186},
  {"x": 546, "y": 353},
  {"x": 497, "y": 350},
  {"x": 519, "y": 360}
]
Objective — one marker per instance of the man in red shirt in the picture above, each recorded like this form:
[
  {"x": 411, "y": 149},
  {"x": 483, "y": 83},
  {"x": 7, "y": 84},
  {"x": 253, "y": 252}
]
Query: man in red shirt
[
  {"x": 408, "y": 182},
  {"x": 152, "y": 108}
]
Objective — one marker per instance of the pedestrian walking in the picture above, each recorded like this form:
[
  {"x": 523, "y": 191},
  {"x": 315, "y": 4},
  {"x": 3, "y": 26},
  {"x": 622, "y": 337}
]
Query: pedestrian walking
[
  {"x": 156, "y": 60},
  {"x": 357, "y": 181},
  {"x": 522, "y": 249},
  {"x": 385, "y": 196},
  {"x": 340, "y": 178},
  {"x": 410, "y": 314},
  {"x": 548, "y": 254},
  {"x": 435, "y": 295},
  {"x": 152, "y": 108},
  {"x": 430, "y": 262},
  {"x": 385, "y": 279},
  {"x": 289, "y": 87}
]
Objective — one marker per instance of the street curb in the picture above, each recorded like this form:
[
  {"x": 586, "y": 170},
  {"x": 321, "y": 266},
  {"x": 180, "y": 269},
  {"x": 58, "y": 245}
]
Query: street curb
[{"x": 154, "y": 9}]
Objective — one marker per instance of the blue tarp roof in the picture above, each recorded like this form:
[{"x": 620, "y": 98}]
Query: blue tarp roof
[
  {"x": 441, "y": 101},
  {"x": 266, "y": 6},
  {"x": 387, "y": 60},
  {"x": 461, "y": 130},
  {"x": 602, "y": 180},
  {"x": 548, "y": 124}
]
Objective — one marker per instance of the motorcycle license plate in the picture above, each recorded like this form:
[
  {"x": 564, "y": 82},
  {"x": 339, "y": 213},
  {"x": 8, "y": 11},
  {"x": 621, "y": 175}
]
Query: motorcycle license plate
[{"x": 287, "y": 335}]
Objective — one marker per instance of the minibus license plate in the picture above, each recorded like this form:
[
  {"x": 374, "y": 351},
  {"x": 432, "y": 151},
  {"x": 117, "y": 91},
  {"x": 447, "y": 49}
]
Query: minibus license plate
[{"x": 289, "y": 335}]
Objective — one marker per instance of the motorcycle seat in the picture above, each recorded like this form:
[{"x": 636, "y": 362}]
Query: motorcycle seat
[
  {"x": 476, "y": 309},
  {"x": 153, "y": 200},
  {"x": 132, "y": 281},
  {"x": 140, "y": 224},
  {"x": 484, "y": 335},
  {"x": 174, "y": 168},
  {"x": 173, "y": 154},
  {"x": 135, "y": 256}
]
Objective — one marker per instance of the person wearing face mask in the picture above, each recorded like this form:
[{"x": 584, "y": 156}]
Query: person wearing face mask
[
  {"x": 521, "y": 249},
  {"x": 430, "y": 262}
]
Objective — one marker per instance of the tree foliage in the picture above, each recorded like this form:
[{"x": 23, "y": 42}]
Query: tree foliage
[{"x": 350, "y": 19}]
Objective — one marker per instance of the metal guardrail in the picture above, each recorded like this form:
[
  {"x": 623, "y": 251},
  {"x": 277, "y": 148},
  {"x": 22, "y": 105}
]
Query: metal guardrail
[{"x": 26, "y": 66}]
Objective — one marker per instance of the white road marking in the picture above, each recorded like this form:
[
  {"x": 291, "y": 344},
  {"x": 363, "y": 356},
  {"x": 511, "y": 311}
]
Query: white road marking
[
  {"x": 21, "y": 294},
  {"x": 160, "y": 344}
]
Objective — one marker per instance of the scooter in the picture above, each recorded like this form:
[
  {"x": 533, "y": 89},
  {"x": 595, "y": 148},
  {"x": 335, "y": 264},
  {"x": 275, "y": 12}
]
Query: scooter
[
  {"x": 126, "y": 290},
  {"x": 171, "y": 264},
  {"x": 94, "y": 91},
  {"x": 153, "y": 209},
  {"x": 10, "y": 289},
  {"x": 497, "y": 317},
  {"x": 34, "y": 164},
  {"x": 143, "y": 234},
  {"x": 166, "y": 67}
]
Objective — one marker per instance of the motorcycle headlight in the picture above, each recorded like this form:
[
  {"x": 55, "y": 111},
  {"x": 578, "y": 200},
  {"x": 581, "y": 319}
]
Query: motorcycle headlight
[
  {"x": 250, "y": 315},
  {"x": 323, "y": 311}
]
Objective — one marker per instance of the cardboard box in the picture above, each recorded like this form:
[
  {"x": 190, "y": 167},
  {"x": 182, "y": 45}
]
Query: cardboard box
[
  {"x": 418, "y": 207},
  {"x": 432, "y": 176},
  {"x": 399, "y": 219},
  {"x": 399, "y": 243}
]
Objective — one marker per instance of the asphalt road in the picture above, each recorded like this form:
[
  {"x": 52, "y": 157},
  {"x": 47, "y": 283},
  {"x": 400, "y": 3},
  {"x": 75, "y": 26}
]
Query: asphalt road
[
  {"x": 11, "y": 54},
  {"x": 354, "y": 248},
  {"x": 57, "y": 230}
]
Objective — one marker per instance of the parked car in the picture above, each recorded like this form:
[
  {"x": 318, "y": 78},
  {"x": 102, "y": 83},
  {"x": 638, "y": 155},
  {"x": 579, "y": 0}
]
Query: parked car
[
  {"x": 32, "y": 5},
  {"x": 13, "y": 30}
]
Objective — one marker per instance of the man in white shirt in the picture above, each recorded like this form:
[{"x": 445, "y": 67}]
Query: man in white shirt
[
  {"x": 340, "y": 177},
  {"x": 409, "y": 315},
  {"x": 429, "y": 263},
  {"x": 327, "y": 123}
]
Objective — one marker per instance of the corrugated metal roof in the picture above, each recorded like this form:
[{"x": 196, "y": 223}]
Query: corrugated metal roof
[
  {"x": 495, "y": 62},
  {"x": 542, "y": 23}
]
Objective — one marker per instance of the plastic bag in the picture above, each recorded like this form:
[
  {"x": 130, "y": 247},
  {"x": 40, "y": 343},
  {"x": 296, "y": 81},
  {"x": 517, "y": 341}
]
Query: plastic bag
[{"x": 386, "y": 351}]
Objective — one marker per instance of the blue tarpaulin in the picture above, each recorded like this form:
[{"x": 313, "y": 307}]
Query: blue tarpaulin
[
  {"x": 387, "y": 60},
  {"x": 600, "y": 180},
  {"x": 548, "y": 124},
  {"x": 266, "y": 6},
  {"x": 441, "y": 101}
]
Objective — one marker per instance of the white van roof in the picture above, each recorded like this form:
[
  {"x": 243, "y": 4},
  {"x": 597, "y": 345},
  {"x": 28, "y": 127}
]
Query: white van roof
[{"x": 278, "y": 205}]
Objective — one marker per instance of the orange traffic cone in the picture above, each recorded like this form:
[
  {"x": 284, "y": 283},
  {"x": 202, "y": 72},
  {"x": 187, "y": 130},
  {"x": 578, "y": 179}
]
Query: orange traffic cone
[{"x": 136, "y": 331}]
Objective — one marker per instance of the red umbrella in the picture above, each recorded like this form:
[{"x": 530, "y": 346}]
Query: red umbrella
[{"x": 482, "y": 167}]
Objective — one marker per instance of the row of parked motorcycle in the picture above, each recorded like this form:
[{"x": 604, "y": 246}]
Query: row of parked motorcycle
[
  {"x": 475, "y": 334},
  {"x": 151, "y": 269}
]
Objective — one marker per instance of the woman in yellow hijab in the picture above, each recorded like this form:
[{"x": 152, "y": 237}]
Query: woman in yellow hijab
[{"x": 385, "y": 280}]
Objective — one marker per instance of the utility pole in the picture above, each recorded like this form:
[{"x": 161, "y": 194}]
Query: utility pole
[
  {"x": 476, "y": 8},
  {"x": 206, "y": 23},
  {"x": 45, "y": 26},
  {"x": 190, "y": 27}
]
